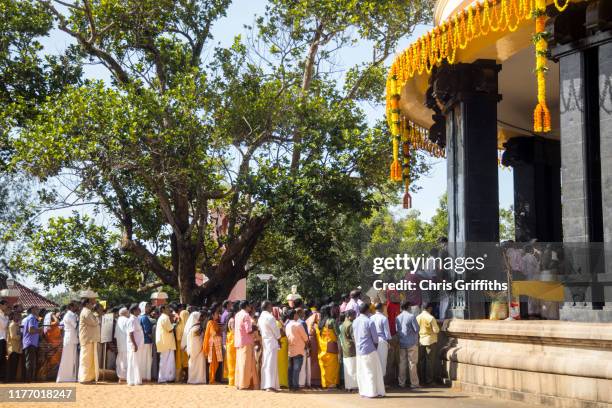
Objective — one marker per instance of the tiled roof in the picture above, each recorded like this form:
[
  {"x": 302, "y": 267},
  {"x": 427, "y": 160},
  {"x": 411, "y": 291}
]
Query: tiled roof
[{"x": 28, "y": 298}]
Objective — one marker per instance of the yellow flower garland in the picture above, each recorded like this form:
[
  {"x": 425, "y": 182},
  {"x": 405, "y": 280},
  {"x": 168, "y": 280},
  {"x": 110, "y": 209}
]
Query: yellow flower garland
[
  {"x": 541, "y": 114},
  {"x": 441, "y": 43}
]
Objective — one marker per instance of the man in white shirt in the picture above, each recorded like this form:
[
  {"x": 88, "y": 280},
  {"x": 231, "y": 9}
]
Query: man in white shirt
[
  {"x": 121, "y": 339},
  {"x": 4, "y": 322},
  {"x": 68, "y": 365},
  {"x": 270, "y": 335},
  {"x": 135, "y": 350}
]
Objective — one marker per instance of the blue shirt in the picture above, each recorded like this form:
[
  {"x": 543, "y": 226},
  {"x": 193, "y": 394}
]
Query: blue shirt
[
  {"x": 364, "y": 333},
  {"x": 407, "y": 329},
  {"x": 147, "y": 328},
  {"x": 382, "y": 326},
  {"x": 29, "y": 339}
]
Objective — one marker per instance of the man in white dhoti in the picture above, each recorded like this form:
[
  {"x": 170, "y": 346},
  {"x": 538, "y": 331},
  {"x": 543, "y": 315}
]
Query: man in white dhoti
[
  {"x": 349, "y": 355},
  {"x": 134, "y": 340},
  {"x": 270, "y": 336},
  {"x": 384, "y": 335},
  {"x": 369, "y": 372},
  {"x": 166, "y": 345},
  {"x": 146, "y": 360},
  {"x": 192, "y": 344},
  {"x": 68, "y": 365},
  {"x": 89, "y": 338},
  {"x": 121, "y": 339}
]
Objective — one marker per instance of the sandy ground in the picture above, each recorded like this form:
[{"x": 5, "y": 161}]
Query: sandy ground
[{"x": 112, "y": 395}]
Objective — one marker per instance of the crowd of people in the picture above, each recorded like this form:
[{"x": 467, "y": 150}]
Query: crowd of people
[{"x": 351, "y": 344}]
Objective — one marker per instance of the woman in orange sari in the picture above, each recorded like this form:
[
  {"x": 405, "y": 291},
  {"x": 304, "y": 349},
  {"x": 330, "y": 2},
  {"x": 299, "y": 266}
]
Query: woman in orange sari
[
  {"x": 51, "y": 347},
  {"x": 212, "y": 346}
]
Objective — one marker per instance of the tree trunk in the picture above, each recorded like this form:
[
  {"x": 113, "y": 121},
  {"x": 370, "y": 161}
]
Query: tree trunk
[{"x": 186, "y": 271}]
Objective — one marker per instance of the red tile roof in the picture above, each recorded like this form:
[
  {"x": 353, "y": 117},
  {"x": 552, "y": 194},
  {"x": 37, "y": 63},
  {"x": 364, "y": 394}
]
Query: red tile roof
[{"x": 28, "y": 298}]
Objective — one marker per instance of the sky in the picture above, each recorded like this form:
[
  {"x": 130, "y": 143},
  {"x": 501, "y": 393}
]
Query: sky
[{"x": 430, "y": 187}]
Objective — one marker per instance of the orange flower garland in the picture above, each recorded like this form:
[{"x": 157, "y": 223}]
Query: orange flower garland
[
  {"x": 541, "y": 114},
  {"x": 441, "y": 43}
]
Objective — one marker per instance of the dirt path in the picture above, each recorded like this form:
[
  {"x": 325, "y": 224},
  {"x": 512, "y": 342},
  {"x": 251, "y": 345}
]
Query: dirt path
[{"x": 110, "y": 395}]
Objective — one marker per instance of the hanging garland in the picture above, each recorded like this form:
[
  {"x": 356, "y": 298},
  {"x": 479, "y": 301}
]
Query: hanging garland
[
  {"x": 441, "y": 44},
  {"x": 541, "y": 114},
  {"x": 394, "y": 125}
]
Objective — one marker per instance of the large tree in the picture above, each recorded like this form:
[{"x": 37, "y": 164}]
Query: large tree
[{"x": 193, "y": 158}]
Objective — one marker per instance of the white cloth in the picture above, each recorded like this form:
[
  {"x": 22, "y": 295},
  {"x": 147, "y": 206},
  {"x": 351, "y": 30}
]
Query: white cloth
[
  {"x": 134, "y": 358},
  {"x": 270, "y": 334},
  {"x": 383, "y": 351},
  {"x": 133, "y": 326},
  {"x": 4, "y": 322},
  {"x": 349, "y": 365},
  {"x": 370, "y": 376},
  {"x": 192, "y": 320},
  {"x": 167, "y": 370},
  {"x": 121, "y": 335},
  {"x": 304, "y": 380},
  {"x": 69, "y": 363},
  {"x": 47, "y": 322},
  {"x": 133, "y": 376},
  {"x": 196, "y": 363},
  {"x": 121, "y": 364},
  {"x": 146, "y": 361},
  {"x": 71, "y": 332}
]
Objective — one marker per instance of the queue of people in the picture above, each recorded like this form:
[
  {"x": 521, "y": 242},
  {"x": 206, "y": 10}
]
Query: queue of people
[{"x": 350, "y": 345}]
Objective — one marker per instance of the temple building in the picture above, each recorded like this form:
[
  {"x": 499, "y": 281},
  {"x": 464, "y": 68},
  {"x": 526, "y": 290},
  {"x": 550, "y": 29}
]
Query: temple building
[{"x": 525, "y": 84}]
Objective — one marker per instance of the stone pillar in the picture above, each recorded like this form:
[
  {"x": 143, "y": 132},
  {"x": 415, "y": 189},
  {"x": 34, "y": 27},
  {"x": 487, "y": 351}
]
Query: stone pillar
[
  {"x": 580, "y": 42},
  {"x": 536, "y": 166},
  {"x": 468, "y": 96},
  {"x": 605, "y": 138}
]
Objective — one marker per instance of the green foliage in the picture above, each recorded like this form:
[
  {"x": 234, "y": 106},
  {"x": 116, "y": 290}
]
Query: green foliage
[
  {"x": 85, "y": 253},
  {"x": 506, "y": 224},
  {"x": 342, "y": 258},
  {"x": 192, "y": 161},
  {"x": 27, "y": 77}
]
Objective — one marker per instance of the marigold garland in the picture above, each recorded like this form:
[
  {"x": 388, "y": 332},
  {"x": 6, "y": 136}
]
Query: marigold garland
[
  {"x": 441, "y": 43},
  {"x": 541, "y": 114}
]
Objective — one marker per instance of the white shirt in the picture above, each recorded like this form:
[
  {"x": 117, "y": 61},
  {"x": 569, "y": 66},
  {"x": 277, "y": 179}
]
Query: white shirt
[
  {"x": 270, "y": 333},
  {"x": 71, "y": 333},
  {"x": 121, "y": 334},
  {"x": 133, "y": 326},
  {"x": 4, "y": 322}
]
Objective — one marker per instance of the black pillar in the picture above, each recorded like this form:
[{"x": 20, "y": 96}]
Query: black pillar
[
  {"x": 467, "y": 95},
  {"x": 536, "y": 165},
  {"x": 605, "y": 128},
  {"x": 581, "y": 39}
]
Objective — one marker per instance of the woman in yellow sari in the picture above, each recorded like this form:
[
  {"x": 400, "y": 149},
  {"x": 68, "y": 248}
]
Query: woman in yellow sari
[
  {"x": 283, "y": 352},
  {"x": 211, "y": 345},
  {"x": 182, "y": 359},
  {"x": 230, "y": 350},
  {"x": 327, "y": 341}
]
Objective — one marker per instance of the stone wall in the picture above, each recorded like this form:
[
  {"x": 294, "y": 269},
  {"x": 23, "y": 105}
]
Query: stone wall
[{"x": 554, "y": 363}]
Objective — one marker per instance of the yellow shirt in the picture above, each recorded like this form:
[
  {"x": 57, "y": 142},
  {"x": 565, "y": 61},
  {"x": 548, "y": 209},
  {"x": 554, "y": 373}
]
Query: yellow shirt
[
  {"x": 89, "y": 327},
  {"x": 164, "y": 334},
  {"x": 14, "y": 338},
  {"x": 428, "y": 328}
]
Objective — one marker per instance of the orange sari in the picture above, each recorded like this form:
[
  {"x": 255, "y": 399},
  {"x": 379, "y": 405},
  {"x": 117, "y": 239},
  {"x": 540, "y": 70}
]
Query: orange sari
[
  {"x": 212, "y": 347},
  {"x": 50, "y": 352}
]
